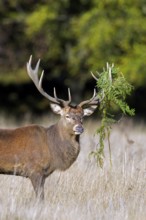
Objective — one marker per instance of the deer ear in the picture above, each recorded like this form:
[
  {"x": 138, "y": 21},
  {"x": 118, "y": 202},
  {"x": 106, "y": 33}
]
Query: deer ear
[
  {"x": 89, "y": 111},
  {"x": 56, "y": 108}
]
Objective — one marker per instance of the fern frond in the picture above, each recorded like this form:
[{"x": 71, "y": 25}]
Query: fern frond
[{"x": 112, "y": 83}]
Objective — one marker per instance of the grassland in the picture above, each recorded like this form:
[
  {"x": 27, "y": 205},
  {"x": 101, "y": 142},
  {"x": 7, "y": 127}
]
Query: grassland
[{"x": 85, "y": 191}]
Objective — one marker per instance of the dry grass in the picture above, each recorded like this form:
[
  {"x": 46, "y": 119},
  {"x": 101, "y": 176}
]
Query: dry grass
[{"x": 85, "y": 191}]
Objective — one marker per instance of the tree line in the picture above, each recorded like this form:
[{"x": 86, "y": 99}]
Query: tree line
[{"x": 72, "y": 38}]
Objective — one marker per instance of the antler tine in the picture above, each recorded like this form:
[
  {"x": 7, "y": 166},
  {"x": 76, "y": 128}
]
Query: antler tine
[
  {"x": 103, "y": 95},
  {"x": 64, "y": 103},
  {"x": 41, "y": 79},
  {"x": 93, "y": 101},
  {"x": 94, "y": 76},
  {"x": 55, "y": 95},
  {"x": 69, "y": 96},
  {"x": 33, "y": 74}
]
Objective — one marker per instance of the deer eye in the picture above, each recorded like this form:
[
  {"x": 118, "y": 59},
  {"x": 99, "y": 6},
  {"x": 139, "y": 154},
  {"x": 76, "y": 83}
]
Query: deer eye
[{"x": 67, "y": 116}]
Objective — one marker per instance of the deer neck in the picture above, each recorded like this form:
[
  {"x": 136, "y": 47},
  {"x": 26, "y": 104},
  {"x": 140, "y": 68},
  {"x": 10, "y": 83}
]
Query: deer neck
[
  {"x": 67, "y": 133},
  {"x": 65, "y": 146}
]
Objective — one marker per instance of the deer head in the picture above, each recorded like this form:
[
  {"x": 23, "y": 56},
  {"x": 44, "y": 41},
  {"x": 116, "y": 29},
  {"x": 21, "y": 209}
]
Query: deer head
[{"x": 71, "y": 116}]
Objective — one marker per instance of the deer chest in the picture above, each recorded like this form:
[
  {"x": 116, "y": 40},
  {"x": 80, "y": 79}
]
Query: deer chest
[{"x": 67, "y": 154}]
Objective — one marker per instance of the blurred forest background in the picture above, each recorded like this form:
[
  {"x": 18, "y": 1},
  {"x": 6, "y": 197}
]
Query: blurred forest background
[{"x": 72, "y": 38}]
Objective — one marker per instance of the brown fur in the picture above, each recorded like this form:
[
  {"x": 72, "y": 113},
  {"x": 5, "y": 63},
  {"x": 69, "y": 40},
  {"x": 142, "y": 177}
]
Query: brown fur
[{"x": 35, "y": 152}]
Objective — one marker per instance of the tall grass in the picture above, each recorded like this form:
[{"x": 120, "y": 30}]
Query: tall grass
[{"x": 86, "y": 191}]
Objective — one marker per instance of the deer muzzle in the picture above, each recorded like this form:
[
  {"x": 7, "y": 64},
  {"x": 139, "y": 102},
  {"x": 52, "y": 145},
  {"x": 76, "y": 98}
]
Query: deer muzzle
[{"x": 78, "y": 129}]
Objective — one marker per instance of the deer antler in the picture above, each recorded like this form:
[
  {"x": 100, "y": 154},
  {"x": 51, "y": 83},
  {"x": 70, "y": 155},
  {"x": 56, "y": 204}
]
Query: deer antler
[
  {"x": 93, "y": 101},
  {"x": 33, "y": 74}
]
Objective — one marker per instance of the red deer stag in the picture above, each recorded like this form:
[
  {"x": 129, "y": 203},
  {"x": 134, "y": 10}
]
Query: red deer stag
[{"x": 34, "y": 151}]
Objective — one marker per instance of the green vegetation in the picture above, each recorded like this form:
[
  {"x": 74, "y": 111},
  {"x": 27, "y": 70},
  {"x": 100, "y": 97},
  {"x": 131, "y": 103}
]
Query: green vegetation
[
  {"x": 73, "y": 38},
  {"x": 113, "y": 91},
  {"x": 76, "y": 34}
]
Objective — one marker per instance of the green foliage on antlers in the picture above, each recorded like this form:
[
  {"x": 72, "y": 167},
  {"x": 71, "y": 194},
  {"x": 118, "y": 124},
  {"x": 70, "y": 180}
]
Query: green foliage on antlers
[{"x": 113, "y": 90}]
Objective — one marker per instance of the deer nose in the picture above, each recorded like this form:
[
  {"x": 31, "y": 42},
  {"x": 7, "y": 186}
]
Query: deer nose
[{"x": 78, "y": 129}]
